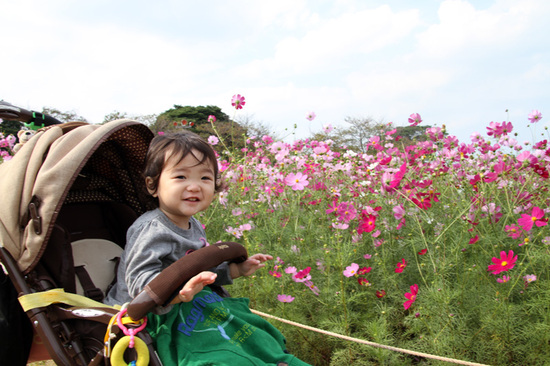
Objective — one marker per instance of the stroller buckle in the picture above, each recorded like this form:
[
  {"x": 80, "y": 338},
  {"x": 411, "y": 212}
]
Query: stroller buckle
[{"x": 36, "y": 219}]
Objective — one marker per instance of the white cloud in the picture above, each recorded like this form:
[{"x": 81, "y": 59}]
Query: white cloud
[
  {"x": 343, "y": 37},
  {"x": 463, "y": 28}
]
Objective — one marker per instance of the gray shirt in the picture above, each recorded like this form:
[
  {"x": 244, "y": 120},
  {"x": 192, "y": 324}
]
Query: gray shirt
[{"x": 154, "y": 242}]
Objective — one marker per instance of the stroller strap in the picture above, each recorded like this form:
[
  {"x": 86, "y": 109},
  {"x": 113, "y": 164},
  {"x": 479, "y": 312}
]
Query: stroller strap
[{"x": 58, "y": 296}]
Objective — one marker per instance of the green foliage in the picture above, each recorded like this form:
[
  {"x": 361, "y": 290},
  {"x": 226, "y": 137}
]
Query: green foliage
[
  {"x": 10, "y": 127},
  {"x": 198, "y": 115},
  {"x": 195, "y": 119},
  {"x": 410, "y": 135}
]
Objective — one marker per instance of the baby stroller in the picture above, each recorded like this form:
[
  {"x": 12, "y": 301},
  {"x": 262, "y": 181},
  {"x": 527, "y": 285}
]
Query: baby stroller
[{"x": 66, "y": 200}]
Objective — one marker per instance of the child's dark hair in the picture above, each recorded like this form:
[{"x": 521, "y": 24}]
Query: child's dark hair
[{"x": 179, "y": 145}]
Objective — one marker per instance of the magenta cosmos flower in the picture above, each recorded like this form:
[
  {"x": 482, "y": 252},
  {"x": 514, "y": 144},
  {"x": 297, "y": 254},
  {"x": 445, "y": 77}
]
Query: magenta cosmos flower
[
  {"x": 536, "y": 218},
  {"x": 238, "y": 101},
  {"x": 401, "y": 266},
  {"x": 211, "y": 118},
  {"x": 310, "y": 116},
  {"x": 410, "y": 296},
  {"x": 415, "y": 119},
  {"x": 367, "y": 224},
  {"x": 534, "y": 116},
  {"x": 297, "y": 181},
  {"x": 504, "y": 263}
]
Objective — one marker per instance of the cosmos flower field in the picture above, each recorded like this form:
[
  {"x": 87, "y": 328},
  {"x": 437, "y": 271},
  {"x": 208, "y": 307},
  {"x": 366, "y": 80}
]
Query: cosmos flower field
[{"x": 440, "y": 247}]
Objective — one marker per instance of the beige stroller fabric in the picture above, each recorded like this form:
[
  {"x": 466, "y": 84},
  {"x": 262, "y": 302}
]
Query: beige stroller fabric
[{"x": 42, "y": 172}]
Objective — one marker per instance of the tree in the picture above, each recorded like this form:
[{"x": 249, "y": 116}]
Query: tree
[
  {"x": 411, "y": 134},
  {"x": 70, "y": 116},
  {"x": 256, "y": 128},
  {"x": 197, "y": 114},
  {"x": 114, "y": 115},
  {"x": 148, "y": 119},
  {"x": 195, "y": 119},
  {"x": 356, "y": 136}
]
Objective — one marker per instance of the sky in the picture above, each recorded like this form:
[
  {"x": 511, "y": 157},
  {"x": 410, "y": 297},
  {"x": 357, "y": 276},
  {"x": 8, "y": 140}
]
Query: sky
[{"x": 458, "y": 63}]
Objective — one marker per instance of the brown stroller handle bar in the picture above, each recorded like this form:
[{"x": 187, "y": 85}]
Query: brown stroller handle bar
[
  {"x": 31, "y": 119},
  {"x": 163, "y": 288}
]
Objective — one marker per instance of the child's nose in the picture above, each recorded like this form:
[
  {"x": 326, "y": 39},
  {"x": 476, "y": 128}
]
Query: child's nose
[{"x": 193, "y": 186}]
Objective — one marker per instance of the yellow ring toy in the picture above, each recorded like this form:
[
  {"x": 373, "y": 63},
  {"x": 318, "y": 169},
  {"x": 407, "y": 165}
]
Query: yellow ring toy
[{"x": 117, "y": 355}]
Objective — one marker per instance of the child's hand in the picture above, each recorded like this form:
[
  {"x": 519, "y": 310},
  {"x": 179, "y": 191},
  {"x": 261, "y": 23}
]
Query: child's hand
[
  {"x": 194, "y": 286},
  {"x": 249, "y": 266}
]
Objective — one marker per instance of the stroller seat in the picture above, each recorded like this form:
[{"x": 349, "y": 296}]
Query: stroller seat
[{"x": 95, "y": 262}]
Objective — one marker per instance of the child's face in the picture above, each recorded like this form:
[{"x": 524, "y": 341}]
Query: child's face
[{"x": 185, "y": 188}]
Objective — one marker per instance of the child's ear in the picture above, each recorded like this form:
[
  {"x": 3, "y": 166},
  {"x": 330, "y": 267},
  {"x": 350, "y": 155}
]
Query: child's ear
[{"x": 149, "y": 185}]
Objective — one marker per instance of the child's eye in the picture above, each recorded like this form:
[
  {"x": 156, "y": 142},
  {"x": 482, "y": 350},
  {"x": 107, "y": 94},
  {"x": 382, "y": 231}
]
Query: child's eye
[
  {"x": 206, "y": 178},
  {"x": 180, "y": 177}
]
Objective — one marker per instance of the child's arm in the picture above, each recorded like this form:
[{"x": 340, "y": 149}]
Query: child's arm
[
  {"x": 194, "y": 286},
  {"x": 248, "y": 267}
]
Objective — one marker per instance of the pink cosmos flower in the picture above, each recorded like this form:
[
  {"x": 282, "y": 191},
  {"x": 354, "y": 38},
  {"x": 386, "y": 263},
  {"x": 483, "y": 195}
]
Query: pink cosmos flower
[
  {"x": 245, "y": 227},
  {"x": 398, "y": 212},
  {"x": 290, "y": 270},
  {"x": 513, "y": 231},
  {"x": 285, "y": 298},
  {"x": 327, "y": 128},
  {"x": 211, "y": 118},
  {"x": 297, "y": 181},
  {"x": 534, "y": 116},
  {"x": 312, "y": 287},
  {"x": 351, "y": 270},
  {"x": 529, "y": 278},
  {"x": 234, "y": 231},
  {"x": 238, "y": 101},
  {"x": 213, "y": 140},
  {"x": 499, "y": 129},
  {"x": 346, "y": 212},
  {"x": 410, "y": 296},
  {"x": 414, "y": 119},
  {"x": 401, "y": 266},
  {"x": 504, "y": 279},
  {"x": 332, "y": 207},
  {"x": 310, "y": 116},
  {"x": 380, "y": 294},
  {"x": 340, "y": 225},
  {"x": 374, "y": 142},
  {"x": 536, "y": 218},
  {"x": 504, "y": 263}
]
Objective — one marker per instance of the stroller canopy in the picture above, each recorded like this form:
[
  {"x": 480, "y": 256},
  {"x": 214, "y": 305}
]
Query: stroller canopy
[{"x": 73, "y": 162}]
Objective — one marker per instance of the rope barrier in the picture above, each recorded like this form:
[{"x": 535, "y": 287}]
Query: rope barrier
[{"x": 414, "y": 353}]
